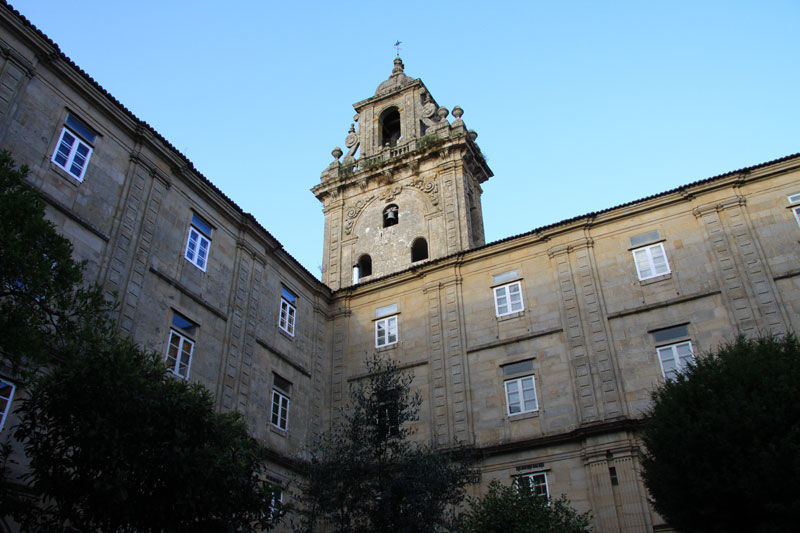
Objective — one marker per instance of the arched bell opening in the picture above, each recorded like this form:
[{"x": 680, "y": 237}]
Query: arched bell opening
[{"x": 390, "y": 127}]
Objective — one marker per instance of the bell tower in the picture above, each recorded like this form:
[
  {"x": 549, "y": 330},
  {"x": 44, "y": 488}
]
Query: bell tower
[{"x": 408, "y": 190}]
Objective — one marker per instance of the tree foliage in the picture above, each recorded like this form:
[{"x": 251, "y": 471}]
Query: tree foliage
[
  {"x": 517, "y": 509},
  {"x": 366, "y": 474},
  {"x": 723, "y": 440},
  {"x": 43, "y": 304},
  {"x": 114, "y": 442}
]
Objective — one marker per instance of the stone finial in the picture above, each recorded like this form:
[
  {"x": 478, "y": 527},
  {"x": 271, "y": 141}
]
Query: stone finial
[
  {"x": 442, "y": 112},
  {"x": 352, "y": 128},
  {"x": 472, "y": 135},
  {"x": 336, "y": 153},
  {"x": 457, "y": 112},
  {"x": 398, "y": 66},
  {"x": 355, "y": 117}
]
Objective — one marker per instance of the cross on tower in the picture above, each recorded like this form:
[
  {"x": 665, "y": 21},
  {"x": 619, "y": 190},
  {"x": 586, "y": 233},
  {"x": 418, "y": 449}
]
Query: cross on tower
[{"x": 397, "y": 48}]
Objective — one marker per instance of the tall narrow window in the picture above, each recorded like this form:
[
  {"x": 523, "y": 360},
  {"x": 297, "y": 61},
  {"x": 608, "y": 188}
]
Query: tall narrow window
[
  {"x": 281, "y": 392},
  {"x": 386, "y": 331},
  {"x": 364, "y": 266},
  {"x": 390, "y": 215},
  {"x": 199, "y": 243},
  {"x": 74, "y": 147},
  {"x": 181, "y": 346},
  {"x": 6, "y": 397},
  {"x": 390, "y": 127},
  {"x": 286, "y": 320},
  {"x": 419, "y": 250}
]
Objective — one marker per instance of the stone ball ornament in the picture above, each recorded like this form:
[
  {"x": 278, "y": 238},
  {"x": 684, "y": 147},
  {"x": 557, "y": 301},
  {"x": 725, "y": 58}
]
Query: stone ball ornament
[
  {"x": 337, "y": 153},
  {"x": 458, "y": 112}
]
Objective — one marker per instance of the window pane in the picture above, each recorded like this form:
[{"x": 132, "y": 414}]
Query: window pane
[
  {"x": 201, "y": 225},
  {"x": 659, "y": 260},
  {"x": 642, "y": 263},
  {"x": 517, "y": 368}
]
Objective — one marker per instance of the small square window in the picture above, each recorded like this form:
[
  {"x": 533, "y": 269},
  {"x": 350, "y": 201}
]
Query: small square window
[
  {"x": 280, "y": 410},
  {"x": 6, "y": 397},
  {"x": 74, "y": 147},
  {"x": 675, "y": 358},
  {"x": 199, "y": 243},
  {"x": 508, "y": 299},
  {"x": 386, "y": 331},
  {"x": 536, "y": 482},
  {"x": 286, "y": 320},
  {"x": 521, "y": 395},
  {"x": 651, "y": 261}
]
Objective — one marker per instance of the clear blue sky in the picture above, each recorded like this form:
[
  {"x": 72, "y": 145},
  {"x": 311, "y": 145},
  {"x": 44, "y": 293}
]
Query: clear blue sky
[{"x": 579, "y": 106}]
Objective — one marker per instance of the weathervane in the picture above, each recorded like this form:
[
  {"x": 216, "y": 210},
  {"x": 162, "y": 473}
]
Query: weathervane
[{"x": 397, "y": 48}]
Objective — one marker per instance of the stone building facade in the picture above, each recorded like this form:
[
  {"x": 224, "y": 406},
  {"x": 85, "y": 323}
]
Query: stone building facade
[{"x": 539, "y": 349}]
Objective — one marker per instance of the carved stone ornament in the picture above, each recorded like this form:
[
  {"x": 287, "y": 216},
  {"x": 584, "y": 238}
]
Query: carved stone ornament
[
  {"x": 353, "y": 213},
  {"x": 428, "y": 187},
  {"x": 391, "y": 193},
  {"x": 428, "y": 110}
]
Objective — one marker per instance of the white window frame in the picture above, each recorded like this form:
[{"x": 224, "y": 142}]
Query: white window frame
[
  {"x": 645, "y": 261},
  {"x": 6, "y": 397},
  {"x": 288, "y": 315},
  {"x": 279, "y": 413},
  {"x": 196, "y": 243},
  {"x": 71, "y": 153},
  {"x": 508, "y": 299},
  {"x": 796, "y": 211},
  {"x": 386, "y": 331},
  {"x": 516, "y": 387},
  {"x": 678, "y": 357},
  {"x": 173, "y": 361},
  {"x": 536, "y": 481}
]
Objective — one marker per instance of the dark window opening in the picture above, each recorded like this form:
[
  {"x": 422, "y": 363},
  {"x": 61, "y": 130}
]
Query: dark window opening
[
  {"x": 390, "y": 215},
  {"x": 364, "y": 266},
  {"x": 612, "y": 472},
  {"x": 419, "y": 250},
  {"x": 390, "y": 127}
]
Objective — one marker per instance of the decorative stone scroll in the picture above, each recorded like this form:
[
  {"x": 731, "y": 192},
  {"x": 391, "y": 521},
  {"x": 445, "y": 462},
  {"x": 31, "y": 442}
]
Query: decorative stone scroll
[
  {"x": 428, "y": 187},
  {"x": 391, "y": 193},
  {"x": 352, "y": 214}
]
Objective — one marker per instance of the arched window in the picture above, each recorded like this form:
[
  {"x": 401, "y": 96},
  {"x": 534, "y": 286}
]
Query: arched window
[
  {"x": 364, "y": 266},
  {"x": 390, "y": 127},
  {"x": 390, "y": 215},
  {"x": 419, "y": 250}
]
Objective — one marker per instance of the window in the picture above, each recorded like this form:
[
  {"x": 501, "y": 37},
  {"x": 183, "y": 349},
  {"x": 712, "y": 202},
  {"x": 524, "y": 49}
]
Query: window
[
  {"x": 793, "y": 199},
  {"x": 288, "y": 311},
  {"x": 675, "y": 358},
  {"x": 276, "y": 504},
  {"x": 363, "y": 268},
  {"x": 675, "y": 352},
  {"x": 508, "y": 298},
  {"x": 390, "y": 127},
  {"x": 198, "y": 243},
  {"x": 651, "y": 261},
  {"x": 181, "y": 347},
  {"x": 521, "y": 395},
  {"x": 280, "y": 402},
  {"x": 419, "y": 250},
  {"x": 74, "y": 147},
  {"x": 390, "y": 215},
  {"x": 6, "y": 397},
  {"x": 386, "y": 331},
  {"x": 537, "y": 483}
]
